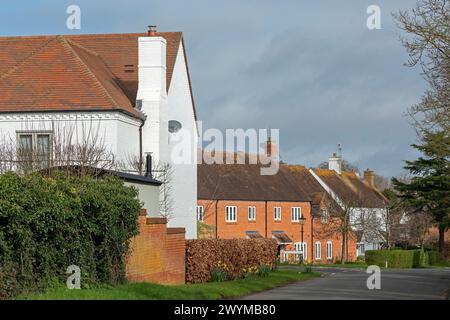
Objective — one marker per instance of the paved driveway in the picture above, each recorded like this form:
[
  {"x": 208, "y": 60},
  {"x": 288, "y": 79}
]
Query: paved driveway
[{"x": 410, "y": 284}]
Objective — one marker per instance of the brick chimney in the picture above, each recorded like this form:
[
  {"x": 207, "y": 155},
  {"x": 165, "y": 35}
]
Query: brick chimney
[
  {"x": 369, "y": 178},
  {"x": 270, "y": 148}
]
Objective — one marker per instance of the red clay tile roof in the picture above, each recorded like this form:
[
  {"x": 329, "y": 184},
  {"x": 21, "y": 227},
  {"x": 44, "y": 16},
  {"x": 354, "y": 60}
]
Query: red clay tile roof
[
  {"x": 74, "y": 72},
  {"x": 350, "y": 189},
  {"x": 371, "y": 197}
]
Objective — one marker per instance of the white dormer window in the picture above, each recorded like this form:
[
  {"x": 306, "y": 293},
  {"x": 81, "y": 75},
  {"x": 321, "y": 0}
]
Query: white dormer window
[
  {"x": 200, "y": 213},
  {"x": 277, "y": 213},
  {"x": 230, "y": 213},
  {"x": 296, "y": 214},
  {"x": 251, "y": 213}
]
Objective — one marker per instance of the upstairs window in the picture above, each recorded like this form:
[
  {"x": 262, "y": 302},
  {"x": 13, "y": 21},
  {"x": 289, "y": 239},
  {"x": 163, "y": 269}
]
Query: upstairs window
[
  {"x": 231, "y": 213},
  {"x": 34, "y": 149},
  {"x": 324, "y": 215},
  {"x": 296, "y": 214},
  {"x": 277, "y": 213},
  {"x": 251, "y": 213},
  {"x": 200, "y": 213}
]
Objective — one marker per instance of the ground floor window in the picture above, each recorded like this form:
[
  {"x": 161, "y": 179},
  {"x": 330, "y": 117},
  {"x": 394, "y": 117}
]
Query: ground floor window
[
  {"x": 360, "y": 248},
  {"x": 329, "y": 250},
  {"x": 231, "y": 213},
  {"x": 318, "y": 250}
]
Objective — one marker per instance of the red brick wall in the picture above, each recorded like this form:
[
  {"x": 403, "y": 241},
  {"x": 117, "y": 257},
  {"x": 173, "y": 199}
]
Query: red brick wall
[
  {"x": 238, "y": 229},
  {"x": 157, "y": 254}
]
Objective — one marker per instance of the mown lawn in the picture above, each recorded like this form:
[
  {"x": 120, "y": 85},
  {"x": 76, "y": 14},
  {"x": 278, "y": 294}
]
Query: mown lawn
[
  {"x": 352, "y": 265},
  {"x": 205, "y": 291}
]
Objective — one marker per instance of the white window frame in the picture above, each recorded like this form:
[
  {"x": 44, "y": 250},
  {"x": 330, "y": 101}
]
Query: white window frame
[
  {"x": 277, "y": 213},
  {"x": 298, "y": 246},
  {"x": 324, "y": 217},
  {"x": 251, "y": 213},
  {"x": 296, "y": 214},
  {"x": 34, "y": 144},
  {"x": 329, "y": 250},
  {"x": 200, "y": 213},
  {"x": 360, "y": 252},
  {"x": 318, "y": 251},
  {"x": 231, "y": 214}
]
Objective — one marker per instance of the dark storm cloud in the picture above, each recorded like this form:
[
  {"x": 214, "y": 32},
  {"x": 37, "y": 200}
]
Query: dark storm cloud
[{"x": 310, "y": 68}]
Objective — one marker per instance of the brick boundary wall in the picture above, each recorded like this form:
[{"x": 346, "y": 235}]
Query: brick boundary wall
[{"x": 157, "y": 254}]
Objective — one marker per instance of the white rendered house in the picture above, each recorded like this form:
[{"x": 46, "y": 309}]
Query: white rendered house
[
  {"x": 366, "y": 206},
  {"x": 123, "y": 91}
]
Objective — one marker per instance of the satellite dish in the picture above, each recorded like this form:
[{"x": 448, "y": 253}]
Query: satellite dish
[{"x": 174, "y": 126}]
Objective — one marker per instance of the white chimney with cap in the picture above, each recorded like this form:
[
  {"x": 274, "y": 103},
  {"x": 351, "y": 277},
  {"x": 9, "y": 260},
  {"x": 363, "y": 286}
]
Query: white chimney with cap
[
  {"x": 152, "y": 93},
  {"x": 335, "y": 163}
]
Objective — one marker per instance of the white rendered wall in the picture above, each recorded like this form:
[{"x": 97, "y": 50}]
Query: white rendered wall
[
  {"x": 149, "y": 196},
  {"x": 184, "y": 186},
  {"x": 117, "y": 132}
]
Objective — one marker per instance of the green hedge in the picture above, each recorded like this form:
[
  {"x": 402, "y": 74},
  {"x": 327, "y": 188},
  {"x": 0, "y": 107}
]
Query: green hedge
[
  {"x": 48, "y": 224},
  {"x": 401, "y": 258}
]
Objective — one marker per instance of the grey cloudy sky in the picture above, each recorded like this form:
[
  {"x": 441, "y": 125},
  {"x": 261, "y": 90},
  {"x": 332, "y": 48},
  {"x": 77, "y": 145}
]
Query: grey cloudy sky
[{"x": 310, "y": 68}]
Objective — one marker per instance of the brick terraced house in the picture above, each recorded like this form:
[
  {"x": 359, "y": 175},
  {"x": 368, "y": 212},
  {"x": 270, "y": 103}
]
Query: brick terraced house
[
  {"x": 236, "y": 201},
  {"x": 327, "y": 231}
]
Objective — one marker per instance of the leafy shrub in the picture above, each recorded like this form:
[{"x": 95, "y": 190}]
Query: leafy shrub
[
  {"x": 308, "y": 269},
  {"x": 401, "y": 258},
  {"x": 203, "y": 256},
  {"x": 264, "y": 270},
  {"x": 48, "y": 224},
  {"x": 394, "y": 258},
  {"x": 434, "y": 258},
  {"x": 218, "y": 275}
]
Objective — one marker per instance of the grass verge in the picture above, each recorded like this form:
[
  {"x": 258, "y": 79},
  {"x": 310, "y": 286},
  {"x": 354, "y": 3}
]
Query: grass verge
[
  {"x": 352, "y": 265},
  {"x": 204, "y": 291}
]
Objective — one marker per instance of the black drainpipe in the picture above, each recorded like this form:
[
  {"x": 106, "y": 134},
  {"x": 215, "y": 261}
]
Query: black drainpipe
[
  {"x": 217, "y": 237},
  {"x": 312, "y": 235},
  {"x": 266, "y": 216},
  {"x": 141, "y": 154}
]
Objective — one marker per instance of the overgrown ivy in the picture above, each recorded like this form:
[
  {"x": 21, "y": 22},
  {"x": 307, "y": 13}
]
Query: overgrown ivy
[{"x": 48, "y": 224}]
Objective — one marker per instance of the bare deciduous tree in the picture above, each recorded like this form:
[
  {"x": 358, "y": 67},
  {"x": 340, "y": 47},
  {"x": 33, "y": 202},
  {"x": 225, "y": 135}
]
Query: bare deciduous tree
[
  {"x": 161, "y": 171},
  {"x": 428, "y": 44},
  {"x": 68, "y": 147}
]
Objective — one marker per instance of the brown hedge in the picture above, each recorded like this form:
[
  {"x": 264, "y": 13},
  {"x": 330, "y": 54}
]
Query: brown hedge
[{"x": 203, "y": 256}]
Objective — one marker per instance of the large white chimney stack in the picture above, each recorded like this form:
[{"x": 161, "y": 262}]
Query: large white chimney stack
[
  {"x": 335, "y": 163},
  {"x": 152, "y": 94}
]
